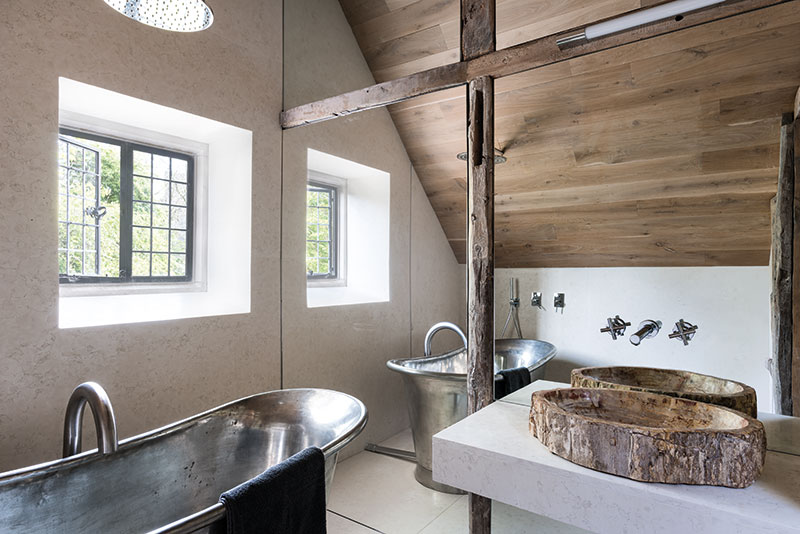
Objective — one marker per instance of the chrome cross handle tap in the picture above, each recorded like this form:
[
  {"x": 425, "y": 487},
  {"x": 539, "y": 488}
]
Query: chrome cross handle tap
[
  {"x": 616, "y": 327},
  {"x": 683, "y": 331},
  {"x": 647, "y": 328}
]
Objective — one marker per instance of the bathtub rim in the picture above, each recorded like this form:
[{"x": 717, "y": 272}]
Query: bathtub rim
[
  {"x": 397, "y": 365},
  {"x": 45, "y": 468}
]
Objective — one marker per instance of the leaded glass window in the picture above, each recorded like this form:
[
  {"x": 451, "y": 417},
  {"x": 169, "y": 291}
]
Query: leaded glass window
[
  {"x": 79, "y": 210},
  {"x": 321, "y": 230},
  {"x": 136, "y": 211}
]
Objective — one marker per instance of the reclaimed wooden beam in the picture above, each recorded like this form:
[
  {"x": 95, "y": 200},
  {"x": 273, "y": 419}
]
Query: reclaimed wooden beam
[
  {"x": 480, "y": 261},
  {"x": 795, "y": 365},
  {"x": 782, "y": 259},
  {"x": 478, "y": 28},
  {"x": 506, "y": 62}
]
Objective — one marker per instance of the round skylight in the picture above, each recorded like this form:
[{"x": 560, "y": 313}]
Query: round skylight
[{"x": 172, "y": 15}]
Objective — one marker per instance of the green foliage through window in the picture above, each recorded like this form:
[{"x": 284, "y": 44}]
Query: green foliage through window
[
  {"x": 321, "y": 242},
  {"x": 125, "y": 211}
]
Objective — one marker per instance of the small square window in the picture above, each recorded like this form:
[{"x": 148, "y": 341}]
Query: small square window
[{"x": 322, "y": 243}]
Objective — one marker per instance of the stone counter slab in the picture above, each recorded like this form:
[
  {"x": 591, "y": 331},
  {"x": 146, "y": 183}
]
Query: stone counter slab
[{"x": 491, "y": 453}]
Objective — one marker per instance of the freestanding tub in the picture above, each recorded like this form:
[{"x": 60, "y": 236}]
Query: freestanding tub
[
  {"x": 170, "y": 479},
  {"x": 436, "y": 392}
]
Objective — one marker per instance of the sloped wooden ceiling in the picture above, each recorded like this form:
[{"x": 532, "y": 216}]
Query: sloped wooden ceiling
[{"x": 661, "y": 153}]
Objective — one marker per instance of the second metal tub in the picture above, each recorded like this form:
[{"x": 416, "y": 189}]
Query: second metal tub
[{"x": 436, "y": 392}]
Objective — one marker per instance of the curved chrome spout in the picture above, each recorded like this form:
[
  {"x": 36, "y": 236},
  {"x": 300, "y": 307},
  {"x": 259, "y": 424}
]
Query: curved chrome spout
[
  {"x": 442, "y": 326},
  {"x": 104, "y": 422}
]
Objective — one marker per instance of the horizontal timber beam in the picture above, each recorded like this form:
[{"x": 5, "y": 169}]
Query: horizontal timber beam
[{"x": 505, "y": 62}]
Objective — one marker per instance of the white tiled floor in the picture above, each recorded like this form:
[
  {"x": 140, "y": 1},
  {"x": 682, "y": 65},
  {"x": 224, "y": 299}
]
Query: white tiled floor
[{"x": 373, "y": 492}]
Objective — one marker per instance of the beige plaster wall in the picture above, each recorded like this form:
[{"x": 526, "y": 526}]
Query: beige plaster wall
[
  {"x": 346, "y": 347},
  {"x": 438, "y": 287},
  {"x": 154, "y": 373}
]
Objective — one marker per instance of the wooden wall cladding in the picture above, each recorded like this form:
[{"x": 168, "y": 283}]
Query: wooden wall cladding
[{"x": 660, "y": 153}]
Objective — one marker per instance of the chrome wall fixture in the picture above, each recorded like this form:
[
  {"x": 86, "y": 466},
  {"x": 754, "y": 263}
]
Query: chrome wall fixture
[
  {"x": 559, "y": 302},
  {"x": 684, "y": 331},
  {"x": 513, "y": 310},
  {"x": 647, "y": 329},
  {"x": 171, "y": 15},
  {"x": 616, "y": 327},
  {"x": 639, "y": 18},
  {"x": 536, "y": 300}
]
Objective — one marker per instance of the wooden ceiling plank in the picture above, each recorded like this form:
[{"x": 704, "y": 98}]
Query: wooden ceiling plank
[
  {"x": 761, "y": 181},
  {"x": 406, "y": 48},
  {"x": 409, "y": 19},
  {"x": 707, "y": 59}
]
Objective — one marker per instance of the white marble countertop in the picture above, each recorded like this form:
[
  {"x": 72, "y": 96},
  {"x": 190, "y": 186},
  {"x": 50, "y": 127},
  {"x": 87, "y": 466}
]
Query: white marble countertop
[{"x": 493, "y": 454}]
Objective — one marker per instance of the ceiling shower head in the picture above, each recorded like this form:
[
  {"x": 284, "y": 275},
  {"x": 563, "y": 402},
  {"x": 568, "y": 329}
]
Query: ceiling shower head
[
  {"x": 172, "y": 15},
  {"x": 498, "y": 157}
]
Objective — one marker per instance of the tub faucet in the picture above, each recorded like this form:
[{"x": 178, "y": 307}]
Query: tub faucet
[
  {"x": 647, "y": 328},
  {"x": 442, "y": 326},
  {"x": 104, "y": 421}
]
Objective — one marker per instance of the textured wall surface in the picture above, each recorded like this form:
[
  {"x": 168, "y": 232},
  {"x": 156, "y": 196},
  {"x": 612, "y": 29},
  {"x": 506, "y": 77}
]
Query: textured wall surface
[
  {"x": 729, "y": 304},
  {"x": 159, "y": 372},
  {"x": 346, "y": 347}
]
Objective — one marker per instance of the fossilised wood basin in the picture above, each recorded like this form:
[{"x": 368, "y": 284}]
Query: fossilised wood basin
[
  {"x": 650, "y": 437},
  {"x": 683, "y": 384}
]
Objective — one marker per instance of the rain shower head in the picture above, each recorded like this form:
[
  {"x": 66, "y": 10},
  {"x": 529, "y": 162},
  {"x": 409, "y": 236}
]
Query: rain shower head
[
  {"x": 498, "y": 157},
  {"x": 172, "y": 15}
]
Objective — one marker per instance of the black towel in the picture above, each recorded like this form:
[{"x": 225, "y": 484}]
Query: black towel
[
  {"x": 287, "y": 498},
  {"x": 513, "y": 379}
]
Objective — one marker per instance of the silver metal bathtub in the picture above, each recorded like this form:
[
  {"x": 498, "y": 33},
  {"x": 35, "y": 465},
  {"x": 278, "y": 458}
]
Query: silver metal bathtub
[
  {"x": 436, "y": 392},
  {"x": 170, "y": 479}
]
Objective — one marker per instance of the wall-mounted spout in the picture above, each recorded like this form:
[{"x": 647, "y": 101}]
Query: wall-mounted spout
[
  {"x": 513, "y": 310},
  {"x": 104, "y": 422},
  {"x": 442, "y": 326},
  {"x": 647, "y": 328}
]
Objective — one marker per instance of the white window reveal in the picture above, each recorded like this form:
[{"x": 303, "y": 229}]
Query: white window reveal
[
  {"x": 347, "y": 232},
  {"x": 138, "y": 185}
]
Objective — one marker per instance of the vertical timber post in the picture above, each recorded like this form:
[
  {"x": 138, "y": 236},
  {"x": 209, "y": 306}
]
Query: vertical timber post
[
  {"x": 782, "y": 271},
  {"x": 478, "y": 37},
  {"x": 480, "y": 265},
  {"x": 795, "y": 366}
]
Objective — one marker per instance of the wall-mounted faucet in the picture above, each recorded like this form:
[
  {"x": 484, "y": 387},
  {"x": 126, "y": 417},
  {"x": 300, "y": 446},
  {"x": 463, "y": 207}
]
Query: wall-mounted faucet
[
  {"x": 442, "y": 326},
  {"x": 647, "y": 328},
  {"x": 513, "y": 310},
  {"x": 683, "y": 331},
  {"x": 616, "y": 327},
  {"x": 104, "y": 422}
]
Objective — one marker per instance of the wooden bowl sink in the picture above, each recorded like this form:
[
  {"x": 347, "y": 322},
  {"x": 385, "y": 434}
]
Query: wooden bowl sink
[
  {"x": 683, "y": 384},
  {"x": 650, "y": 437}
]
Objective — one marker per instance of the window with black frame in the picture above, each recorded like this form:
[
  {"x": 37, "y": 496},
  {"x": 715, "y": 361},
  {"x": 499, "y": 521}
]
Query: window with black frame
[
  {"x": 125, "y": 211},
  {"x": 321, "y": 231}
]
